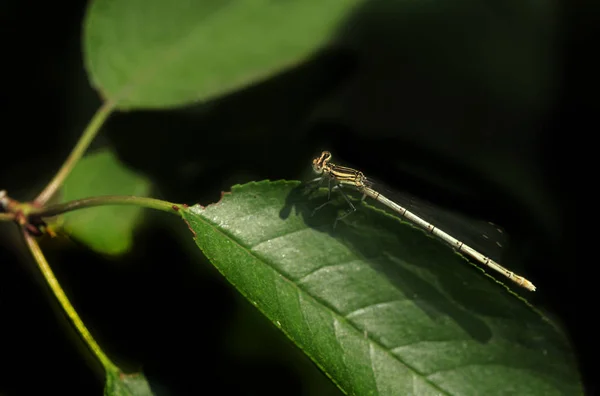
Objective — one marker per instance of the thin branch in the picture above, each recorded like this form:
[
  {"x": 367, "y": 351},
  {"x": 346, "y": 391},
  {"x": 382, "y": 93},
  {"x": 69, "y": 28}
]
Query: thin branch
[
  {"x": 80, "y": 148},
  {"x": 66, "y": 305},
  {"x": 151, "y": 203}
]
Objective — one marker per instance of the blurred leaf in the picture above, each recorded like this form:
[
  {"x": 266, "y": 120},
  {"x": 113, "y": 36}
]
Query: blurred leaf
[
  {"x": 107, "y": 229},
  {"x": 154, "y": 53},
  {"x": 120, "y": 384},
  {"x": 379, "y": 305}
]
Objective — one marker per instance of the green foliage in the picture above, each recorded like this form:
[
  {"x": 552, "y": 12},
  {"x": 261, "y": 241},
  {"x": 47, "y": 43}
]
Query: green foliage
[
  {"x": 379, "y": 305},
  {"x": 107, "y": 229},
  {"x": 156, "y": 54},
  {"x": 119, "y": 384}
]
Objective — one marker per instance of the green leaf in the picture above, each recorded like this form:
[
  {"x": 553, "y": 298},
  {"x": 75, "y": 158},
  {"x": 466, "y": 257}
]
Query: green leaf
[
  {"x": 155, "y": 53},
  {"x": 379, "y": 305},
  {"x": 107, "y": 229},
  {"x": 120, "y": 384}
]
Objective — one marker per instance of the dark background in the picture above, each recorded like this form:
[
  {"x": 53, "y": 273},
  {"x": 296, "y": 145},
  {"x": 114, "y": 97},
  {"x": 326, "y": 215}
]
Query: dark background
[{"x": 478, "y": 106}]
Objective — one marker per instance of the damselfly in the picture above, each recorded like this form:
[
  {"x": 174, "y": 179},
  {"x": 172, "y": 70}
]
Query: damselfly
[{"x": 338, "y": 176}]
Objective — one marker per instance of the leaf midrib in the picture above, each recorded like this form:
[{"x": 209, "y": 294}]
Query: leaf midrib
[{"x": 316, "y": 299}]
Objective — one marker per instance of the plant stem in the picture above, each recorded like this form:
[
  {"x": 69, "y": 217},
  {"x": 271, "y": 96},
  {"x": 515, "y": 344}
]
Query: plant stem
[
  {"x": 151, "y": 203},
  {"x": 66, "y": 305},
  {"x": 80, "y": 148}
]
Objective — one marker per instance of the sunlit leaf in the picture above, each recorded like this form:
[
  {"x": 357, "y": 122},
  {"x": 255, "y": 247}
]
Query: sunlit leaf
[{"x": 379, "y": 305}]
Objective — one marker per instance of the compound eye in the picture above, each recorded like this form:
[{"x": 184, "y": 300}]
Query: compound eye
[{"x": 320, "y": 162}]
